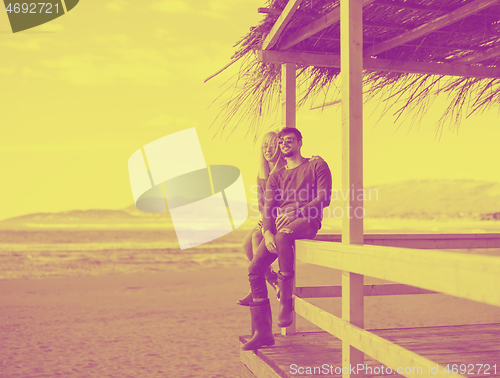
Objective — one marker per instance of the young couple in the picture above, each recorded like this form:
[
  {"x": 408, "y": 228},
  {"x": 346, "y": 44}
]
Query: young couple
[{"x": 291, "y": 204}]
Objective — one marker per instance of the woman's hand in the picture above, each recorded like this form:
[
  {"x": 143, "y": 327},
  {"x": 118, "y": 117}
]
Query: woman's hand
[
  {"x": 259, "y": 226},
  {"x": 270, "y": 242},
  {"x": 285, "y": 219}
]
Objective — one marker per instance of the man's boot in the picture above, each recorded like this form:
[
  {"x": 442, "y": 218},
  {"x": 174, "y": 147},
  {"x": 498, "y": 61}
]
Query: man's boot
[
  {"x": 285, "y": 284},
  {"x": 263, "y": 323}
]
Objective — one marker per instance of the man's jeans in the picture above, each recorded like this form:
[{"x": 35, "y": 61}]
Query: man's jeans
[{"x": 285, "y": 238}]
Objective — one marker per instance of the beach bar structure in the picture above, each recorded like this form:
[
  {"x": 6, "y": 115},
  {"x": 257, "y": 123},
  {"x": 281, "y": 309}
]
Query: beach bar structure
[{"x": 386, "y": 41}]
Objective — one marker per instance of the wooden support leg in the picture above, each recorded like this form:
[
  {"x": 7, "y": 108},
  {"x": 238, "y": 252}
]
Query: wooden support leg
[
  {"x": 288, "y": 119},
  {"x": 353, "y": 312},
  {"x": 288, "y": 95},
  {"x": 292, "y": 329},
  {"x": 351, "y": 52}
]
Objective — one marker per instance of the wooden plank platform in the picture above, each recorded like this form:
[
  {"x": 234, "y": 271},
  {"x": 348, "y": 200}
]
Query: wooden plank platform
[{"x": 466, "y": 346}]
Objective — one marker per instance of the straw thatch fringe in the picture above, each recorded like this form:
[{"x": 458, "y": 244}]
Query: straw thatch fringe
[{"x": 253, "y": 94}]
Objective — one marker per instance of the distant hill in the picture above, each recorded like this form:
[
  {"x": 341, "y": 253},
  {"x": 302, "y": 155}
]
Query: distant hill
[
  {"x": 127, "y": 217},
  {"x": 425, "y": 199},
  {"x": 430, "y": 199}
]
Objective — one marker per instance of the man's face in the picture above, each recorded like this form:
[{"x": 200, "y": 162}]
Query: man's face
[{"x": 289, "y": 145}]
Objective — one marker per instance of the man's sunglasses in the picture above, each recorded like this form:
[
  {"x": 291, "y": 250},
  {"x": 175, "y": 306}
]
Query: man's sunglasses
[{"x": 286, "y": 140}]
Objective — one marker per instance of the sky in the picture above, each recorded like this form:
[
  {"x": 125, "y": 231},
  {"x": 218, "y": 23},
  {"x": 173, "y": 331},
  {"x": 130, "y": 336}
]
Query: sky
[{"x": 81, "y": 93}]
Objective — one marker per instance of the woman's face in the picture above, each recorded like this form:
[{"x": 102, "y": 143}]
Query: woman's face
[{"x": 269, "y": 150}]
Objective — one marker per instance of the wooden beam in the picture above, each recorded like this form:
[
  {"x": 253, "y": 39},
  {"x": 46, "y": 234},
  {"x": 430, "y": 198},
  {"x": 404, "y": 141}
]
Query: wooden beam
[
  {"x": 298, "y": 13},
  {"x": 431, "y": 26},
  {"x": 383, "y": 25},
  {"x": 314, "y": 27},
  {"x": 480, "y": 56},
  {"x": 351, "y": 63},
  {"x": 425, "y": 241},
  {"x": 369, "y": 291},
  {"x": 303, "y": 59},
  {"x": 353, "y": 313},
  {"x": 292, "y": 328},
  {"x": 245, "y": 373},
  {"x": 436, "y": 243},
  {"x": 280, "y": 24},
  {"x": 380, "y": 349},
  {"x": 288, "y": 95},
  {"x": 415, "y": 44},
  {"x": 401, "y": 5},
  {"x": 309, "y": 30},
  {"x": 255, "y": 362},
  {"x": 288, "y": 119},
  {"x": 474, "y": 277},
  {"x": 378, "y": 64}
]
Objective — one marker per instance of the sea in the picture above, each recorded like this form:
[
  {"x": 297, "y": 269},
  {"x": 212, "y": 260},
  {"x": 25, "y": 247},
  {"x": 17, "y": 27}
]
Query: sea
[
  {"x": 39, "y": 253},
  {"x": 42, "y": 251},
  {"x": 125, "y": 345}
]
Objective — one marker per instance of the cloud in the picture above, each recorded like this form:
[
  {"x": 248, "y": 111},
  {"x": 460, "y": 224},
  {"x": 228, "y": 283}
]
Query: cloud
[
  {"x": 165, "y": 35},
  {"x": 7, "y": 71},
  {"x": 27, "y": 42},
  {"x": 171, "y": 6},
  {"x": 51, "y": 27},
  {"x": 164, "y": 120},
  {"x": 116, "y": 6},
  {"x": 220, "y": 5},
  {"x": 31, "y": 73},
  {"x": 111, "y": 40},
  {"x": 32, "y": 44},
  {"x": 118, "y": 63},
  {"x": 143, "y": 66},
  {"x": 67, "y": 147},
  {"x": 219, "y": 9}
]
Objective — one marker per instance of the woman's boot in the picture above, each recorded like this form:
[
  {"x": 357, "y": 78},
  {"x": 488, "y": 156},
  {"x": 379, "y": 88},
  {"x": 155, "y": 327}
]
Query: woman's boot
[
  {"x": 245, "y": 301},
  {"x": 271, "y": 277},
  {"x": 285, "y": 284},
  {"x": 260, "y": 312}
]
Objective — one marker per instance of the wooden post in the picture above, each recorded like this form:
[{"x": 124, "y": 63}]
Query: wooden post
[
  {"x": 351, "y": 63},
  {"x": 292, "y": 329},
  {"x": 353, "y": 312},
  {"x": 288, "y": 95},
  {"x": 288, "y": 119}
]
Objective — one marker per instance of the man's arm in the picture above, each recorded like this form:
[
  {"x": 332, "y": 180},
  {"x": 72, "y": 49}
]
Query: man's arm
[{"x": 323, "y": 191}]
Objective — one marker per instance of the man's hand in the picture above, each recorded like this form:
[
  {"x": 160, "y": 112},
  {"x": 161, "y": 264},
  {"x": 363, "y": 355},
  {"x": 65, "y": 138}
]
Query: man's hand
[
  {"x": 270, "y": 242},
  {"x": 285, "y": 219}
]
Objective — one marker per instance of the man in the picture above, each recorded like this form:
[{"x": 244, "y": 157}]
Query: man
[{"x": 294, "y": 201}]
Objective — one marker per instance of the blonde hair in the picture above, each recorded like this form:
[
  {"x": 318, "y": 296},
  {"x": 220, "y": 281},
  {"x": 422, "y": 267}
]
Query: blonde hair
[{"x": 264, "y": 170}]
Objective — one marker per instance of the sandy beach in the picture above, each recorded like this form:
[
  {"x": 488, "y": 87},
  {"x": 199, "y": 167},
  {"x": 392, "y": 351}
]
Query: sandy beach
[
  {"x": 180, "y": 324},
  {"x": 167, "y": 324}
]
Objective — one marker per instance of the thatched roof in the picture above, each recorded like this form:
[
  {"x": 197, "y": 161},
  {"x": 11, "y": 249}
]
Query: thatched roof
[{"x": 411, "y": 47}]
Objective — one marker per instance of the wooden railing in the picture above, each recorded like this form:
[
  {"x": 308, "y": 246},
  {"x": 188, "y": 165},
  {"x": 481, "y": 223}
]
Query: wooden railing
[{"x": 420, "y": 268}]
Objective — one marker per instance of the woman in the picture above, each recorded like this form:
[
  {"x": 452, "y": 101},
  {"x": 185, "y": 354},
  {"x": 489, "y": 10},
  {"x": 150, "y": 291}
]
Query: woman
[{"x": 270, "y": 160}]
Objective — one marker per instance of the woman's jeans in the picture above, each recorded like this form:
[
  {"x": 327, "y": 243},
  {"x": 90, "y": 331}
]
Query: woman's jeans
[{"x": 285, "y": 239}]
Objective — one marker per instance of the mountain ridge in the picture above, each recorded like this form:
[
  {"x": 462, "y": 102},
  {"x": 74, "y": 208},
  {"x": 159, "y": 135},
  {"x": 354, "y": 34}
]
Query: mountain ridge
[{"x": 423, "y": 199}]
